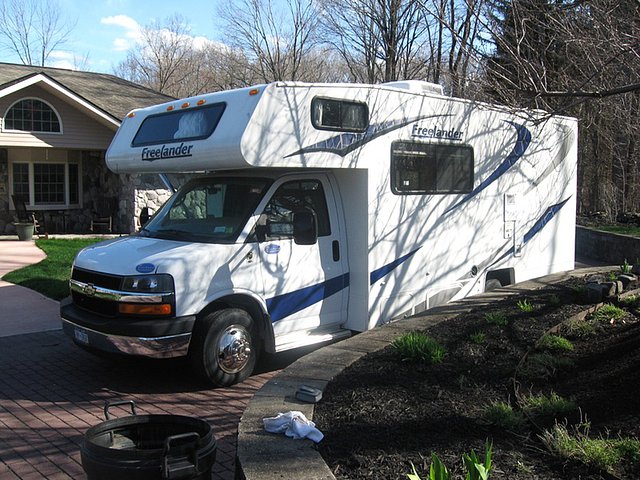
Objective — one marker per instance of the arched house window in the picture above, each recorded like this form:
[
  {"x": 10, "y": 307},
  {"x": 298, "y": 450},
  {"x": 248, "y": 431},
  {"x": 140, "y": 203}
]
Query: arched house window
[{"x": 32, "y": 115}]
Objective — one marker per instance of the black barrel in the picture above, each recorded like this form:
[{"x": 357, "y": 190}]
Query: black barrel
[{"x": 141, "y": 447}]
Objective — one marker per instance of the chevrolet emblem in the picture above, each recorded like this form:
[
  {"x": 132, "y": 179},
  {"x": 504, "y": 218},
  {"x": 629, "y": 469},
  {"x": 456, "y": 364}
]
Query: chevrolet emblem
[{"x": 89, "y": 290}]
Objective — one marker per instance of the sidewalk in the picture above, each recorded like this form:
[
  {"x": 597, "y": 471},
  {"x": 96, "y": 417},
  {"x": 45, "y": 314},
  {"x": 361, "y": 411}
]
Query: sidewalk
[{"x": 23, "y": 310}]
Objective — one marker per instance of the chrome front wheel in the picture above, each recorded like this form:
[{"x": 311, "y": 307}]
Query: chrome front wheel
[
  {"x": 234, "y": 349},
  {"x": 224, "y": 347}
]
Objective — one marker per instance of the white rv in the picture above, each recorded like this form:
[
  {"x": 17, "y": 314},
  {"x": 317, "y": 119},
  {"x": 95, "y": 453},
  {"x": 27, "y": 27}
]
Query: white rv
[{"x": 320, "y": 210}]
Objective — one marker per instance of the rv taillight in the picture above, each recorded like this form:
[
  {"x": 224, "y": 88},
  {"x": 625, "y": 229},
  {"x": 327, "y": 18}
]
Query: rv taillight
[
  {"x": 254, "y": 91},
  {"x": 185, "y": 104},
  {"x": 202, "y": 102}
]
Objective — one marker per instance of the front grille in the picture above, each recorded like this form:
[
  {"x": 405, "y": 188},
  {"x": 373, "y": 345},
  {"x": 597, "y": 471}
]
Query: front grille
[
  {"x": 92, "y": 304},
  {"x": 95, "y": 305}
]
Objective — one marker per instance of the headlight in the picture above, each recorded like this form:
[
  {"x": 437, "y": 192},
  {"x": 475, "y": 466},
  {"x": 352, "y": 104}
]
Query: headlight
[{"x": 159, "y": 283}]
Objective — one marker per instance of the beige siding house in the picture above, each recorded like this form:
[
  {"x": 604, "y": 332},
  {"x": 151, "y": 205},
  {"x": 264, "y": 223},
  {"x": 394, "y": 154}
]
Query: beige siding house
[{"x": 55, "y": 126}]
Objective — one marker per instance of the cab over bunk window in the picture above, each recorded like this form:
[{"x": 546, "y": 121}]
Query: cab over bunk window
[
  {"x": 340, "y": 115},
  {"x": 423, "y": 168},
  {"x": 179, "y": 125}
]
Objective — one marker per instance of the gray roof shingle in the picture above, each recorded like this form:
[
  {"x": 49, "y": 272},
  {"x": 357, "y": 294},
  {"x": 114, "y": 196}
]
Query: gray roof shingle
[{"x": 109, "y": 93}]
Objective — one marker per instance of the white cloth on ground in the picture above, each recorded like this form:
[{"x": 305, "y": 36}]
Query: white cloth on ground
[{"x": 293, "y": 424}]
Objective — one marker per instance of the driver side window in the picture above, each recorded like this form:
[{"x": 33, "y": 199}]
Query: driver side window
[{"x": 276, "y": 221}]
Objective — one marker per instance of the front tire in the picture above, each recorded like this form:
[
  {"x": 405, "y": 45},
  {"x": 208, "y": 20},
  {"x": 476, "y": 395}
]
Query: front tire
[{"x": 224, "y": 347}]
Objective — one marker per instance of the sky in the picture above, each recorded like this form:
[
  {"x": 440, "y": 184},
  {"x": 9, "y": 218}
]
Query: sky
[{"x": 106, "y": 29}]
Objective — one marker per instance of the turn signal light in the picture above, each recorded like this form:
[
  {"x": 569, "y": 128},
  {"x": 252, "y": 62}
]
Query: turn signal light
[{"x": 144, "y": 309}]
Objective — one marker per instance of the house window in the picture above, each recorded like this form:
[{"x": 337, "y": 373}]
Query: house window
[
  {"x": 424, "y": 168},
  {"x": 46, "y": 184},
  {"x": 32, "y": 115}
]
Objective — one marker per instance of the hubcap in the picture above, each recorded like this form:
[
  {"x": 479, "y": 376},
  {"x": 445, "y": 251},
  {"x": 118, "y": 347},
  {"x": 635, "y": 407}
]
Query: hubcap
[{"x": 234, "y": 349}]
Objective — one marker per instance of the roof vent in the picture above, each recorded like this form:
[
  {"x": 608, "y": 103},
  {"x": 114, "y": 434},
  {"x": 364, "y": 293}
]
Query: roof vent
[{"x": 416, "y": 86}]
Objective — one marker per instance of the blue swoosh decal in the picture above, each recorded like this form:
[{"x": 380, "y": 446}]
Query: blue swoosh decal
[
  {"x": 345, "y": 143},
  {"x": 522, "y": 143},
  {"x": 389, "y": 267},
  {"x": 287, "y": 304},
  {"x": 537, "y": 227},
  {"x": 543, "y": 220}
]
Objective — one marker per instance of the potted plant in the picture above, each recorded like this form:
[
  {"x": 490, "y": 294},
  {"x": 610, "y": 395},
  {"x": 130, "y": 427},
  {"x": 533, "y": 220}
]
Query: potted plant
[{"x": 24, "y": 230}]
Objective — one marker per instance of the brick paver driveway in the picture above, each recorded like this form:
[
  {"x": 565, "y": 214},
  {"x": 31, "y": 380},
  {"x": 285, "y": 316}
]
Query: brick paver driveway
[{"x": 51, "y": 392}]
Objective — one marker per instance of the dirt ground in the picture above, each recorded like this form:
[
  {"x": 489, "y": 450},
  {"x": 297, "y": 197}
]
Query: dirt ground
[{"x": 382, "y": 414}]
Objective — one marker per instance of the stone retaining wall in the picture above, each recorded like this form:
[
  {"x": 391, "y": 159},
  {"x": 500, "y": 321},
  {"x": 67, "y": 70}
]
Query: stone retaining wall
[{"x": 609, "y": 248}]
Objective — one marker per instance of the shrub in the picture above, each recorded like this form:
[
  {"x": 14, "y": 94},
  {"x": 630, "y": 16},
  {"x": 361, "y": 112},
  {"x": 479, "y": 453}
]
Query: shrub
[
  {"x": 555, "y": 343},
  {"x": 608, "y": 313},
  {"x": 604, "y": 453},
  {"x": 630, "y": 301},
  {"x": 541, "y": 404},
  {"x": 502, "y": 414},
  {"x": 478, "y": 337},
  {"x": 544, "y": 365},
  {"x": 554, "y": 300},
  {"x": 625, "y": 267},
  {"x": 525, "y": 306},
  {"x": 419, "y": 347},
  {"x": 496, "y": 318},
  {"x": 578, "y": 328}
]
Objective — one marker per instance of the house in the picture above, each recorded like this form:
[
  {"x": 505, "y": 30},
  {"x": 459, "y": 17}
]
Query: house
[{"x": 55, "y": 127}]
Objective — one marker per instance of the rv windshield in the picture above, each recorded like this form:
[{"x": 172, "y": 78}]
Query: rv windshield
[{"x": 210, "y": 210}]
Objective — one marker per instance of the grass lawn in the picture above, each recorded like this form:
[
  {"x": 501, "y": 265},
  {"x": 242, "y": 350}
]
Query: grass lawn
[
  {"x": 632, "y": 230},
  {"x": 51, "y": 276}
]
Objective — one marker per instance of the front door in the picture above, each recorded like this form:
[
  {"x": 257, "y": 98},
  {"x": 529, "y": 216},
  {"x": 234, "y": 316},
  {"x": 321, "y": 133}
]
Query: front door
[{"x": 305, "y": 286}]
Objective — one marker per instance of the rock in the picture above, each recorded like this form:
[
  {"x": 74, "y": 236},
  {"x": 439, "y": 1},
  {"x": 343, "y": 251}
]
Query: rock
[
  {"x": 595, "y": 292},
  {"x": 597, "y": 278},
  {"x": 626, "y": 279}
]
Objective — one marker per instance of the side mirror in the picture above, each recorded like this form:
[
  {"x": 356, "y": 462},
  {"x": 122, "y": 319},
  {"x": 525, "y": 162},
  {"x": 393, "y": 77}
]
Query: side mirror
[
  {"x": 145, "y": 215},
  {"x": 305, "y": 227}
]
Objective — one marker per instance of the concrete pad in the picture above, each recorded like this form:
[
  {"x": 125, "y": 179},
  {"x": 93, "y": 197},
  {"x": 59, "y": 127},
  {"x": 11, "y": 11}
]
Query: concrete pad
[
  {"x": 17, "y": 254},
  {"x": 23, "y": 310}
]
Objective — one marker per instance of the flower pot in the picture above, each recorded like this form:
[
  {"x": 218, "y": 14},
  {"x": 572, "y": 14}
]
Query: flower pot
[{"x": 24, "y": 231}]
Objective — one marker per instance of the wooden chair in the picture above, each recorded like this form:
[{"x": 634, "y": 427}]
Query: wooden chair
[
  {"x": 103, "y": 215},
  {"x": 23, "y": 215}
]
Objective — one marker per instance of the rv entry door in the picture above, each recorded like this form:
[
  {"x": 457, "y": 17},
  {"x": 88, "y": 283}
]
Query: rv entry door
[{"x": 305, "y": 286}]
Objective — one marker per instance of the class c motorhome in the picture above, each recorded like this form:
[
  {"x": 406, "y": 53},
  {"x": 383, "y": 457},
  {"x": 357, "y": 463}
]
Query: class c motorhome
[{"x": 319, "y": 210}]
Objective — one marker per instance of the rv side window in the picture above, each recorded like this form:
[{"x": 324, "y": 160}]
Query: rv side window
[
  {"x": 179, "y": 125},
  {"x": 423, "y": 168},
  {"x": 341, "y": 115},
  {"x": 276, "y": 222}
]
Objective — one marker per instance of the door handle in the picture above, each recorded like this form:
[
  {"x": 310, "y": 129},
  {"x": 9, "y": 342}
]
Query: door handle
[{"x": 335, "y": 247}]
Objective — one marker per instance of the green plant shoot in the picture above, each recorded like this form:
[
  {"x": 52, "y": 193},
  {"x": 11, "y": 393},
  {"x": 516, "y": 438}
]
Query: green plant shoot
[{"x": 477, "y": 470}]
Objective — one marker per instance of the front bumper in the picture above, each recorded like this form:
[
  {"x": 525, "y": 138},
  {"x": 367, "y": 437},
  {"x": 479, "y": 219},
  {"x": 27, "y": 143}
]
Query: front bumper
[{"x": 155, "y": 338}]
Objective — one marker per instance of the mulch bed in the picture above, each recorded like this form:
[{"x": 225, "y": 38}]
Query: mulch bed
[{"x": 382, "y": 414}]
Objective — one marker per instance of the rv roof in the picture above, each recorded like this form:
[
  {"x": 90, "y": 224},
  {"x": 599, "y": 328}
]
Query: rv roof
[{"x": 417, "y": 86}]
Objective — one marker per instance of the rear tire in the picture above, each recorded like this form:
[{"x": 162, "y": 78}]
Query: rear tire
[
  {"x": 492, "y": 284},
  {"x": 224, "y": 347}
]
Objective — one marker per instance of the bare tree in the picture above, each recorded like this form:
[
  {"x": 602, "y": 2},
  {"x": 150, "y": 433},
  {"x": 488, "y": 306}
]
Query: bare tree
[
  {"x": 582, "y": 59},
  {"x": 379, "y": 40},
  {"x": 165, "y": 59},
  {"x": 277, "y": 39},
  {"x": 32, "y": 29}
]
